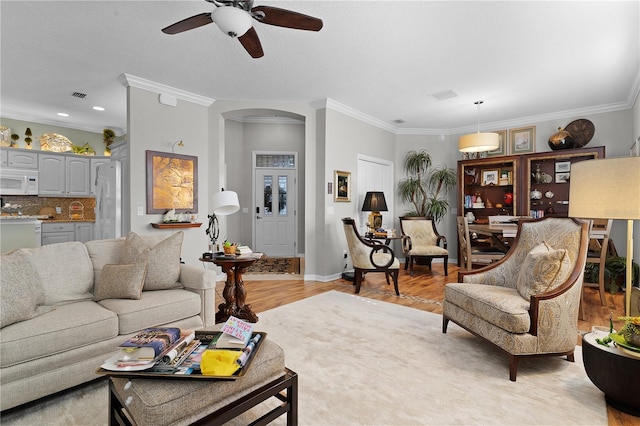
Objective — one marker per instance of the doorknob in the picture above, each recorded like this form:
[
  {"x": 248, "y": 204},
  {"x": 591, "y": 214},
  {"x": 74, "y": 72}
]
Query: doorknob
[{"x": 258, "y": 217}]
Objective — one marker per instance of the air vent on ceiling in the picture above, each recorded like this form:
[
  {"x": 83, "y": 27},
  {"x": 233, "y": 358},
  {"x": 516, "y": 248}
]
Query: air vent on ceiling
[
  {"x": 398, "y": 121},
  {"x": 79, "y": 95},
  {"x": 445, "y": 94}
]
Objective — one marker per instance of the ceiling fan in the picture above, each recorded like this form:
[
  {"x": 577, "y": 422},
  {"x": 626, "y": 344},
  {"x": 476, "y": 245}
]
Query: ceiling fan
[{"x": 234, "y": 19}]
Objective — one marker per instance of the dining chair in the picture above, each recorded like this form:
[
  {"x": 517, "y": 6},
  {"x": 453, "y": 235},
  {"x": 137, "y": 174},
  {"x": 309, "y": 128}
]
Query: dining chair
[
  {"x": 422, "y": 242},
  {"x": 369, "y": 256},
  {"x": 470, "y": 255},
  {"x": 599, "y": 237}
]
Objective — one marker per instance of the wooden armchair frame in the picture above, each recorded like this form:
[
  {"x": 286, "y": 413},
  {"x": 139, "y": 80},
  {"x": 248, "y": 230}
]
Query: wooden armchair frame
[
  {"x": 439, "y": 248},
  {"x": 381, "y": 257}
]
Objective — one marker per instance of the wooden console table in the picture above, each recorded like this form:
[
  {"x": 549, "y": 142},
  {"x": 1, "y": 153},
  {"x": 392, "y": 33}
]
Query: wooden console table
[{"x": 234, "y": 292}]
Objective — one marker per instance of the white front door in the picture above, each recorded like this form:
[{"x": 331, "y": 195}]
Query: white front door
[{"x": 275, "y": 191}]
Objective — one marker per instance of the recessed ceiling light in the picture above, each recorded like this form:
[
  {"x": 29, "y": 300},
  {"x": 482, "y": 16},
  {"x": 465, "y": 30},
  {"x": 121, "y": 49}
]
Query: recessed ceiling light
[
  {"x": 63, "y": 114},
  {"x": 97, "y": 108}
]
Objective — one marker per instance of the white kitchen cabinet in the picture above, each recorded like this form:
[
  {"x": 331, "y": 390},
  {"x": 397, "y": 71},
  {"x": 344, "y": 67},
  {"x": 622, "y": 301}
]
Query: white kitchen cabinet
[
  {"x": 52, "y": 175},
  {"x": 77, "y": 176},
  {"x": 19, "y": 158},
  {"x": 58, "y": 232},
  {"x": 64, "y": 175},
  {"x": 84, "y": 231}
]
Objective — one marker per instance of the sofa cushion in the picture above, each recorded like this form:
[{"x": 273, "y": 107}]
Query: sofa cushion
[
  {"x": 120, "y": 282},
  {"x": 65, "y": 269},
  {"x": 500, "y": 306},
  {"x": 21, "y": 290},
  {"x": 153, "y": 308},
  {"x": 104, "y": 252},
  {"x": 67, "y": 327},
  {"x": 162, "y": 259},
  {"x": 542, "y": 270}
]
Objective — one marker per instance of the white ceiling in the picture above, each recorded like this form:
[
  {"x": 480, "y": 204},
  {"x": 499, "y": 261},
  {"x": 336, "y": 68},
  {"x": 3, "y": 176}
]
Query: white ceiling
[{"x": 380, "y": 58}]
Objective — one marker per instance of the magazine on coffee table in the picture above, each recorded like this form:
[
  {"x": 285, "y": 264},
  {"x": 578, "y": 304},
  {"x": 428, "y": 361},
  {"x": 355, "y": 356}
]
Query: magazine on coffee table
[{"x": 186, "y": 364}]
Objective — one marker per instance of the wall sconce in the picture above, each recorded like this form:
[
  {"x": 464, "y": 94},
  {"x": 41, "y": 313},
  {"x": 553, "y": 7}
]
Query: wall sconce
[{"x": 179, "y": 143}]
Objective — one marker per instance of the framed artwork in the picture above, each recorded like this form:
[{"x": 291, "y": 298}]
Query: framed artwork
[
  {"x": 522, "y": 140},
  {"x": 172, "y": 183},
  {"x": 562, "y": 177},
  {"x": 489, "y": 177},
  {"x": 342, "y": 184},
  {"x": 563, "y": 166},
  {"x": 502, "y": 149}
]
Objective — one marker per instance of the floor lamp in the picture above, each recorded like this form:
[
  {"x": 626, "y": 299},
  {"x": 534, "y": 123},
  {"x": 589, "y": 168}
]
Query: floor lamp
[{"x": 608, "y": 189}]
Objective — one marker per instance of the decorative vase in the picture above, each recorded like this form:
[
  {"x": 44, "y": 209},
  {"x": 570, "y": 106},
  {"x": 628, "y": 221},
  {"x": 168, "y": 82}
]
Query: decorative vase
[
  {"x": 562, "y": 139},
  {"x": 508, "y": 198}
]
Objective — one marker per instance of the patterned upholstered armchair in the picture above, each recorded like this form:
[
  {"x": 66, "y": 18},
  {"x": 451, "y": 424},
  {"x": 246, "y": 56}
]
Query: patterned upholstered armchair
[
  {"x": 421, "y": 240},
  {"x": 526, "y": 303},
  {"x": 369, "y": 256}
]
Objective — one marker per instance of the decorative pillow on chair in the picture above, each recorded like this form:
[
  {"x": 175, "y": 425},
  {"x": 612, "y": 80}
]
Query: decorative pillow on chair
[
  {"x": 162, "y": 259},
  {"x": 120, "y": 282},
  {"x": 543, "y": 269},
  {"x": 21, "y": 291}
]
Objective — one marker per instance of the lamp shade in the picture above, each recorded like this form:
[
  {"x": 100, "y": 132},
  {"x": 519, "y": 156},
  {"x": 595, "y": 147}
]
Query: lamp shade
[
  {"x": 605, "y": 189},
  {"x": 232, "y": 21},
  {"x": 374, "y": 202},
  {"x": 479, "y": 142},
  {"x": 225, "y": 203}
]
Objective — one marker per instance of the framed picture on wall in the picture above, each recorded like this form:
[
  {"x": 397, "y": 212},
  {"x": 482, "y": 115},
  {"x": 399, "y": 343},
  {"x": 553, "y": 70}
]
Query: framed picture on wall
[
  {"x": 502, "y": 149},
  {"x": 342, "y": 185},
  {"x": 522, "y": 140},
  {"x": 172, "y": 183}
]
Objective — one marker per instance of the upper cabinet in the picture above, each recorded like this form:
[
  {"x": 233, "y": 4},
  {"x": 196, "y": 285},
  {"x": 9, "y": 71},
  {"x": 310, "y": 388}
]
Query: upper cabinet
[
  {"x": 547, "y": 177},
  {"x": 488, "y": 186},
  {"x": 519, "y": 185},
  {"x": 64, "y": 176},
  {"x": 19, "y": 159}
]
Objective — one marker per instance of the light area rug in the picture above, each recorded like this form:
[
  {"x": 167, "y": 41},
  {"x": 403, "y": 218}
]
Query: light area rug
[{"x": 366, "y": 362}]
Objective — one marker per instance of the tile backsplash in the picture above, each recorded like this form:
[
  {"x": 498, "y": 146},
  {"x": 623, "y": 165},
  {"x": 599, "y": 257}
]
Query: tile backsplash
[{"x": 33, "y": 205}]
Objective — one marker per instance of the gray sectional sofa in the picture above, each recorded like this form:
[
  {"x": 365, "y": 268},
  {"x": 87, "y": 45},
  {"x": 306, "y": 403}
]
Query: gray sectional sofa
[{"x": 66, "y": 307}]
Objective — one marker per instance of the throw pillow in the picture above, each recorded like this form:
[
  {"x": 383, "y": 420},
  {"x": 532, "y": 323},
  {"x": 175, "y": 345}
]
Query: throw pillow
[
  {"x": 120, "y": 282},
  {"x": 21, "y": 291},
  {"x": 162, "y": 259},
  {"x": 543, "y": 269}
]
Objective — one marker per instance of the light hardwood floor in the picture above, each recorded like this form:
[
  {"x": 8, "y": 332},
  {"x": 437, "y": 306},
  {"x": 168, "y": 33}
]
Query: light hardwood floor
[{"x": 425, "y": 291}]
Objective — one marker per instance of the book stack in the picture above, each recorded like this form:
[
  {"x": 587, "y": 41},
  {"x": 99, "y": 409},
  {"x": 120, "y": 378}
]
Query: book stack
[
  {"x": 163, "y": 347},
  {"x": 240, "y": 250}
]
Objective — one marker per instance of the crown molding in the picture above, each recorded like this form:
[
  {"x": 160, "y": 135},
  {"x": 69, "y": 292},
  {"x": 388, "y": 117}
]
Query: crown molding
[
  {"x": 141, "y": 83},
  {"x": 348, "y": 111}
]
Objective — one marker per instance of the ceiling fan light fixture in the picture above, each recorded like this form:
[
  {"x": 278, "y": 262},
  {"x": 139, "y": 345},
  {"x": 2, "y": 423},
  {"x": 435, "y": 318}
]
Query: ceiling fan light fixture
[
  {"x": 232, "y": 21},
  {"x": 479, "y": 142}
]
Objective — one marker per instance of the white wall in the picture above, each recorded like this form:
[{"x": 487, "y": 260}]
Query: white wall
[
  {"x": 153, "y": 126},
  {"x": 345, "y": 138}
]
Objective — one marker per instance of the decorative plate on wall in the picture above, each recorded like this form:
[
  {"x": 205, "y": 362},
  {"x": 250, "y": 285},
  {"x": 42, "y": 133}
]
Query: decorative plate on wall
[
  {"x": 582, "y": 131},
  {"x": 55, "y": 143}
]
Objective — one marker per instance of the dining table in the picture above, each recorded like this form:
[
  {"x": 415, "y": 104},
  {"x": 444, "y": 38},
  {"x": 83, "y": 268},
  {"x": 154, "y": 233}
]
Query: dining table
[{"x": 501, "y": 234}]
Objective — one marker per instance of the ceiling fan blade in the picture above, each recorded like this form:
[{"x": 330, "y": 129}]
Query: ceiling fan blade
[
  {"x": 286, "y": 18},
  {"x": 251, "y": 43},
  {"x": 189, "y": 23}
]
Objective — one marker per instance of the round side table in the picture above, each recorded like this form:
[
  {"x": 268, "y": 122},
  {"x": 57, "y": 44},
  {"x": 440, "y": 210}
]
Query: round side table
[{"x": 614, "y": 372}]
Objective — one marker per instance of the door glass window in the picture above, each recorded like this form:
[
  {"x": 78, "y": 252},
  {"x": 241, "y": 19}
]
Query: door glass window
[
  {"x": 282, "y": 195},
  {"x": 287, "y": 161},
  {"x": 268, "y": 194}
]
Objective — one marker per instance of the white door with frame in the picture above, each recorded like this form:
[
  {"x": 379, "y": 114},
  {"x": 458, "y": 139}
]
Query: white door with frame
[
  {"x": 275, "y": 207},
  {"x": 375, "y": 174}
]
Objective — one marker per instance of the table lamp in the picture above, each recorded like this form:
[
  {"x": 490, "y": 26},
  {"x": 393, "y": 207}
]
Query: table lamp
[
  {"x": 375, "y": 203},
  {"x": 224, "y": 204},
  {"x": 608, "y": 189}
]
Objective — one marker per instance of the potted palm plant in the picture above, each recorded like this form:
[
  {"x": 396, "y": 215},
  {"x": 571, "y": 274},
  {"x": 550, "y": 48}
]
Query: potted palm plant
[{"x": 426, "y": 187}]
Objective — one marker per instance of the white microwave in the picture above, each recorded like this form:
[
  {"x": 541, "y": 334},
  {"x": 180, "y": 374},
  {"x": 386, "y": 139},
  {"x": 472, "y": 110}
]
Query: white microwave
[{"x": 18, "y": 181}]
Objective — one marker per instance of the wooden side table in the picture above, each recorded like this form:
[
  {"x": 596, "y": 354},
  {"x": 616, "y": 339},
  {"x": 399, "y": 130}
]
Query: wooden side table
[
  {"x": 234, "y": 292},
  {"x": 614, "y": 373}
]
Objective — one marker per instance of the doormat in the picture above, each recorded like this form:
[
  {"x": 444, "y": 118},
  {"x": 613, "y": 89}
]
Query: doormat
[{"x": 275, "y": 265}]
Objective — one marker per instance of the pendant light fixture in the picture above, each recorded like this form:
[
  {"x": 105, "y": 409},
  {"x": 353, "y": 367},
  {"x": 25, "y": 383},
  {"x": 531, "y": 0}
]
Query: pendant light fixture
[{"x": 478, "y": 142}]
